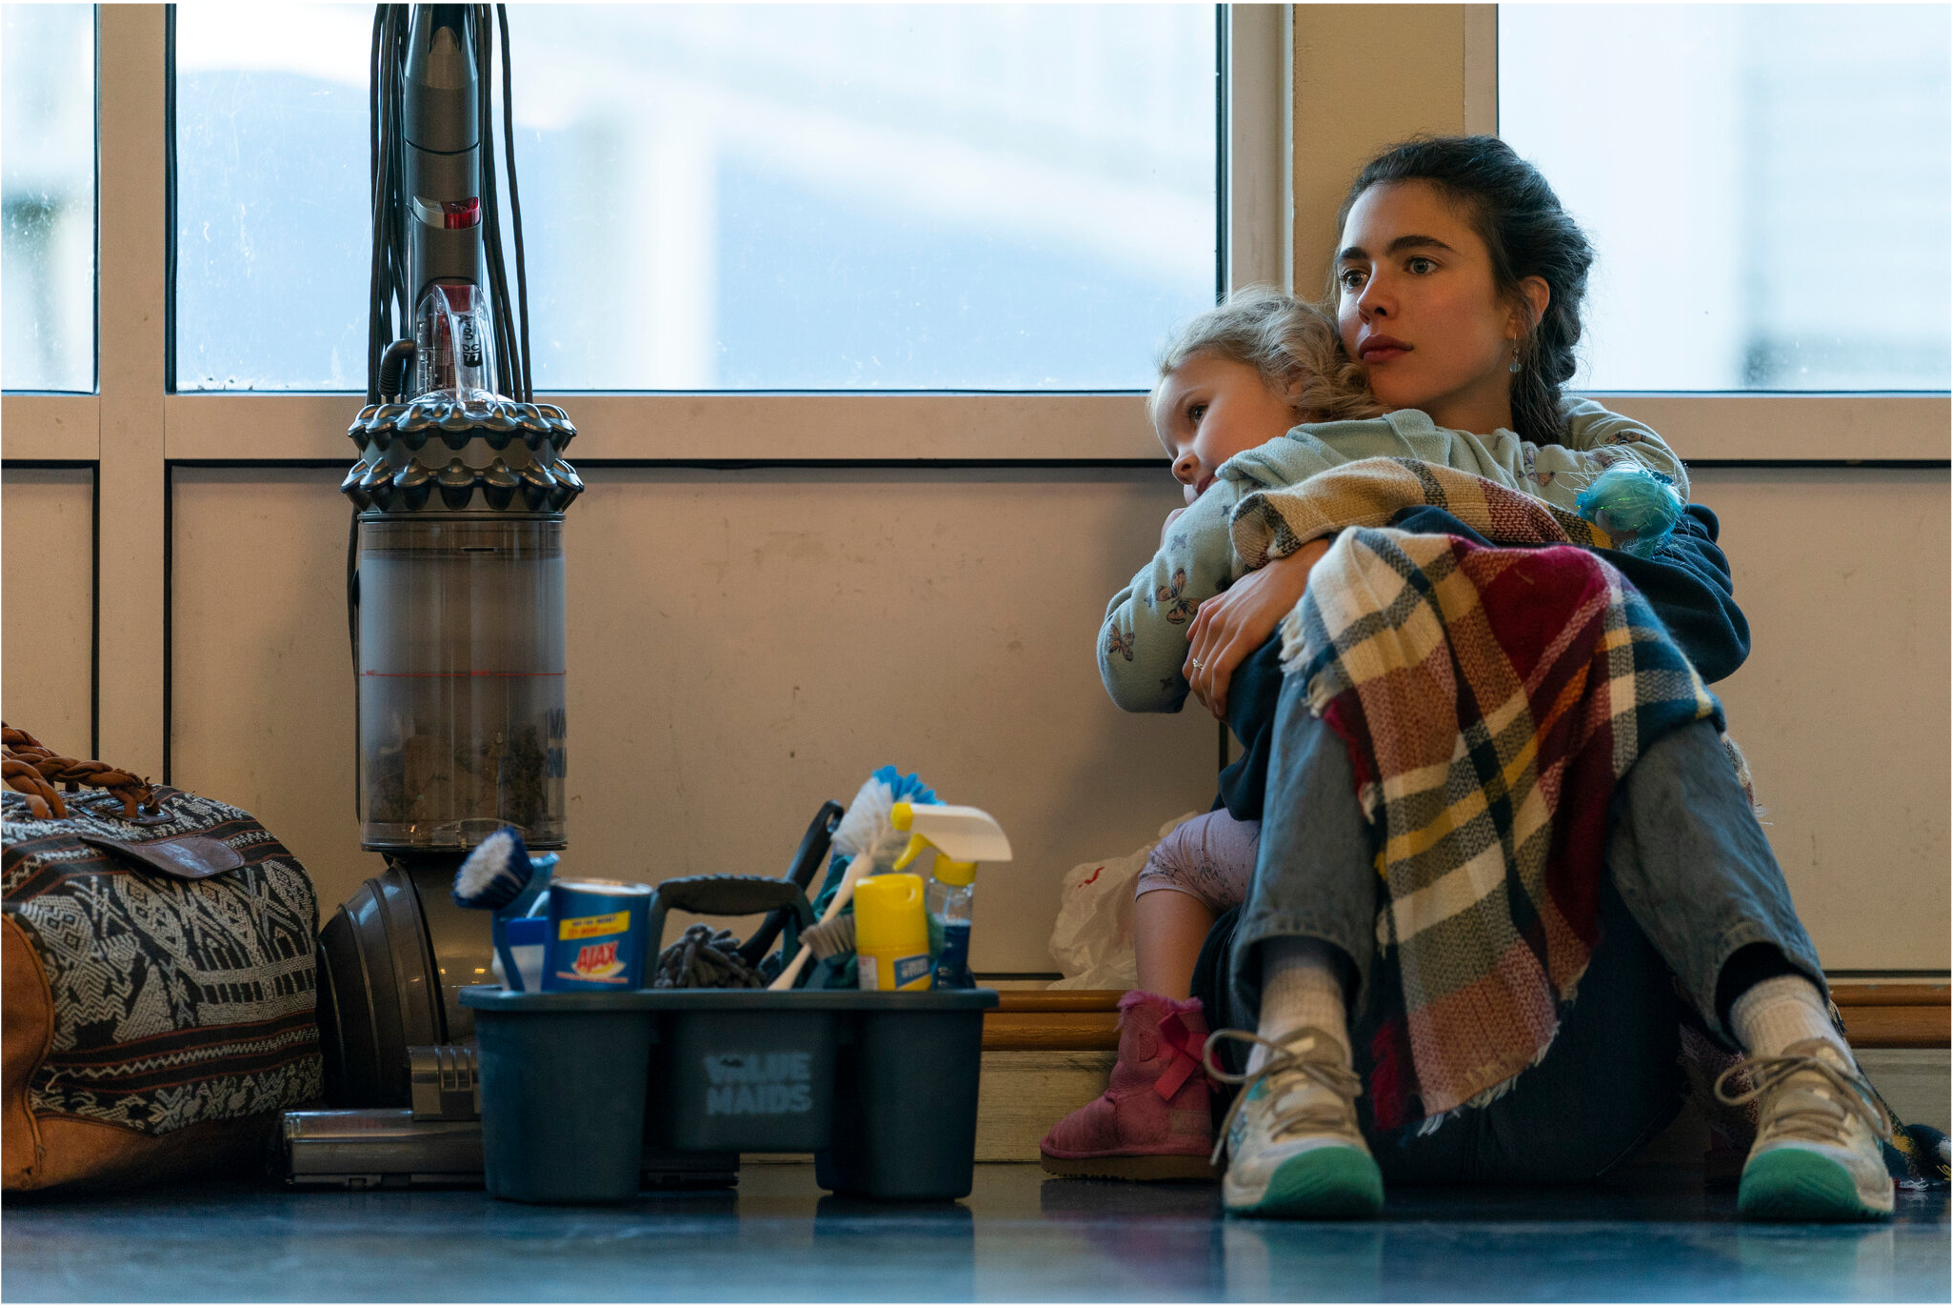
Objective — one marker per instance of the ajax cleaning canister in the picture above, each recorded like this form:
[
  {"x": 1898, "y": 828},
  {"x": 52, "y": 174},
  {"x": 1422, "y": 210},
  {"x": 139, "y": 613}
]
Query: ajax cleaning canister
[
  {"x": 597, "y": 938},
  {"x": 893, "y": 942}
]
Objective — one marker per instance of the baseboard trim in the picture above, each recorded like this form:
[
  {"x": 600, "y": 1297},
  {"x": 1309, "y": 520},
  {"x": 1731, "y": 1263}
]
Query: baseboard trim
[{"x": 1877, "y": 1016}]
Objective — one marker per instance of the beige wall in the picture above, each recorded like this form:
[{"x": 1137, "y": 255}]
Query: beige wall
[
  {"x": 744, "y": 645},
  {"x": 46, "y": 533},
  {"x": 741, "y": 647},
  {"x": 1844, "y": 707}
]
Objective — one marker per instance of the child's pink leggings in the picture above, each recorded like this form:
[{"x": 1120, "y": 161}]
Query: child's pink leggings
[{"x": 1210, "y": 858}]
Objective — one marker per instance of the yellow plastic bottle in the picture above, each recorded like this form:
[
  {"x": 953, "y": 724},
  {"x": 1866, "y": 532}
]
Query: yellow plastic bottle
[{"x": 893, "y": 941}]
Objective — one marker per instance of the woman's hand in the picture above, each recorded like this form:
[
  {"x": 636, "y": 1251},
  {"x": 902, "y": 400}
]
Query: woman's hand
[{"x": 1228, "y": 627}]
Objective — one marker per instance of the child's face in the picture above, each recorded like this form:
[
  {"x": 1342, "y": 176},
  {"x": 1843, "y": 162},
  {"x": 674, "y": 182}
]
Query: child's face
[{"x": 1210, "y": 409}]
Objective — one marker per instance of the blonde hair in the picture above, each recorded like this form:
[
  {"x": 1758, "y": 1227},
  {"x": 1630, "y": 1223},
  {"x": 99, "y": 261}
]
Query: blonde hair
[{"x": 1294, "y": 346}]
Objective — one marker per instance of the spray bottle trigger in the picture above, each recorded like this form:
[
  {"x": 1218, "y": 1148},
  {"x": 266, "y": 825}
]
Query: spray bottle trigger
[
  {"x": 917, "y": 846},
  {"x": 951, "y": 872}
]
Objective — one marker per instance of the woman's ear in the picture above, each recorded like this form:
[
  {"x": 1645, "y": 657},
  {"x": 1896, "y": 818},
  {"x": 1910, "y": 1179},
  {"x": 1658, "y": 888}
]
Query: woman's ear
[{"x": 1536, "y": 300}]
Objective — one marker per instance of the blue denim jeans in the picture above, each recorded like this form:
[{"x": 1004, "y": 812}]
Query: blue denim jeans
[{"x": 1689, "y": 879}]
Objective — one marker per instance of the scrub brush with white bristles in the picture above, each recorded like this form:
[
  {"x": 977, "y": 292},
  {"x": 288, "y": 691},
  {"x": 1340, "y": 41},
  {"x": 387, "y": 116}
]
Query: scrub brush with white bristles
[
  {"x": 495, "y": 872},
  {"x": 496, "y": 876},
  {"x": 867, "y": 836},
  {"x": 866, "y": 826}
]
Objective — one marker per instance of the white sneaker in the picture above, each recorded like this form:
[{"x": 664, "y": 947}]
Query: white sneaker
[
  {"x": 1294, "y": 1140},
  {"x": 1817, "y": 1154}
]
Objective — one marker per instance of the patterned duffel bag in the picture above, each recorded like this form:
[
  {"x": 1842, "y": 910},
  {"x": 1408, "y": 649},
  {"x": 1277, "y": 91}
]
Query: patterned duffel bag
[{"x": 156, "y": 976}]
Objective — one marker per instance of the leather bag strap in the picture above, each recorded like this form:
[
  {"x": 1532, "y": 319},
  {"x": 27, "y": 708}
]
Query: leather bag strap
[{"x": 35, "y": 770}]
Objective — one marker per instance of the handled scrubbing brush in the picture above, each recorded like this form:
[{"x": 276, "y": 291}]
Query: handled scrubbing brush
[
  {"x": 829, "y": 939},
  {"x": 498, "y": 875},
  {"x": 867, "y": 837}
]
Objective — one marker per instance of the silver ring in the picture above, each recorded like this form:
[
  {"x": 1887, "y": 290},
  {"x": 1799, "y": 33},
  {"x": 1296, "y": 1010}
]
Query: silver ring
[{"x": 1197, "y": 664}]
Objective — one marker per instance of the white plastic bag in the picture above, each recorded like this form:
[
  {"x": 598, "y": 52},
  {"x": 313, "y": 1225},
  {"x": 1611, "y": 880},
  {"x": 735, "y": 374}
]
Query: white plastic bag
[{"x": 1094, "y": 936}]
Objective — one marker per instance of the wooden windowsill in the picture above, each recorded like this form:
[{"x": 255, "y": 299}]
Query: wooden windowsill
[{"x": 1876, "y": 1016}]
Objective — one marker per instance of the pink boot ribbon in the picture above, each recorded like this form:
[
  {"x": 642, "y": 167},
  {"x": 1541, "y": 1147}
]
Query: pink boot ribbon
[{"x": 1186, "y": 1054}]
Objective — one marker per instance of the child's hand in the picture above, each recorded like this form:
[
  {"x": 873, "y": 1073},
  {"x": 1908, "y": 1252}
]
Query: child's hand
[
  {"x": 1170, "y": 521},
  {"x": 1228, "y": 627}
]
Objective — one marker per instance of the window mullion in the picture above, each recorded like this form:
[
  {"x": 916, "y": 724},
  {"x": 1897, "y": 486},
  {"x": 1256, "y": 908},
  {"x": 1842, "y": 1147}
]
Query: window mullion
[
  {"x": 131, "y": 289},
  {"x": 1258, "y": 192}
]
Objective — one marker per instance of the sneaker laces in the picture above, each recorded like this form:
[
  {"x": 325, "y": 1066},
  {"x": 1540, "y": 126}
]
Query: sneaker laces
[
  {"x": 1307, "y": 1119},
  {"x": 1823, "y": 1109}
]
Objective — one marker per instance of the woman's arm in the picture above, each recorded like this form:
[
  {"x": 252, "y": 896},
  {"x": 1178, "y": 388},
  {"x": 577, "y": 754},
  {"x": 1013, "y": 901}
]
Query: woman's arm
[
  {"x": 1144, "y": 635},
  {"x": 1690, "y": 588},
  {"x": 1687, "y": 581},
  {"x": 1595, "y": 438}
]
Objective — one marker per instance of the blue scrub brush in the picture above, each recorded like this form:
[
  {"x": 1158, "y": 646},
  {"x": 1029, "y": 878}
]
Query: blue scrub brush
[
  {"x": 499, "y": 875},
  {"x": 865, "y": 841}
]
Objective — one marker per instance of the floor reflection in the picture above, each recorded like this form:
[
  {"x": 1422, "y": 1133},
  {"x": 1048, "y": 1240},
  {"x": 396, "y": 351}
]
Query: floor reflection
[{"x": 1021, "y": 1235}]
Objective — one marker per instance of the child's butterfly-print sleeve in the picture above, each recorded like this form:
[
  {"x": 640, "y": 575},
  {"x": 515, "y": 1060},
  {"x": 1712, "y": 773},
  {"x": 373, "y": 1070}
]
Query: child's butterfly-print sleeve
[{"x": 1145, "y": 634}]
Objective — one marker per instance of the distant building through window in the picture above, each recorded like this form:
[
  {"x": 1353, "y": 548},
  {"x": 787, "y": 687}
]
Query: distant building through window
[
  {"x": 735, "y": 197},
  {"x": 47, "y": 197},
  {"x": 1768, "y": 187}
]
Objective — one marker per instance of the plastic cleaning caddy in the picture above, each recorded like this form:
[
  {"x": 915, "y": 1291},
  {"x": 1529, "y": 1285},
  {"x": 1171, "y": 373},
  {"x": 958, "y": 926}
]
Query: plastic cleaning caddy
[{"x": 572, "y": 1080}]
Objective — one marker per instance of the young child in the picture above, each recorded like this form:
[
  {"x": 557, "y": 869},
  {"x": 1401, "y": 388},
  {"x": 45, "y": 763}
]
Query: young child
[{"x": 1253, "y": 394}]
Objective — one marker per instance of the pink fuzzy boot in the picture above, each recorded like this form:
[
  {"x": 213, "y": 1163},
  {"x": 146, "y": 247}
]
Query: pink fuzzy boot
[{"x": 1153, "y": 1121}]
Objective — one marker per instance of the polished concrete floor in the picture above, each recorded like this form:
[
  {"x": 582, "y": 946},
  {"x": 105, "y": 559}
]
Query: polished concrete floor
[{"x": 1021, "y": 1236}]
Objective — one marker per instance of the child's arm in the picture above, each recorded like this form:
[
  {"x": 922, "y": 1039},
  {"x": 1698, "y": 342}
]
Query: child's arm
[
  {"x": 1144, "y": 636},
  {"x": 1597, "y": 438}
]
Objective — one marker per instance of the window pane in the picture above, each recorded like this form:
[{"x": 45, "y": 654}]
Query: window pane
[
  {"x": 47, "y": 189},
  {"x": 737, "y": 197},
  {"x": 1768, "y": 187},
  {"x": 272, "y": 219}
]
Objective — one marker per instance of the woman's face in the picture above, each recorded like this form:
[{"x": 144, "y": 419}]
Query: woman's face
[
  {"x": 1209, "y": 409},
  {"x": 1419, "y": 310}
]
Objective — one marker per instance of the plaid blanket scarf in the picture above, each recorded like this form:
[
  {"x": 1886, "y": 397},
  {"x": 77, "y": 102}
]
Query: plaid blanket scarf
[{"x": 1490, "y": 699}]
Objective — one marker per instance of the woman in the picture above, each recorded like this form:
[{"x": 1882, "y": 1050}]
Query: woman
[{"x": 1460, "y": 282}]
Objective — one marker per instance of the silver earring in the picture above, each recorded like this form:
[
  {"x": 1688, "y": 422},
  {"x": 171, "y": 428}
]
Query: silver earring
[{"x": 1516, "y": 358}]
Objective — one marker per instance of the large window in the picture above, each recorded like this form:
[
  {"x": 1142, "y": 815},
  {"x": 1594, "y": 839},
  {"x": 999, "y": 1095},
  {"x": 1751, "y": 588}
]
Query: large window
[
  {"x": 1768, "y": 187},
  {"x": 859, "y": 198},
  {"x": 47, "y": 197}
]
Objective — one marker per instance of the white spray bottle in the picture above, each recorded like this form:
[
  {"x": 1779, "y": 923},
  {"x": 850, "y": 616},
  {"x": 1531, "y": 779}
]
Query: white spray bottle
[{"x": 961, "y": 838}]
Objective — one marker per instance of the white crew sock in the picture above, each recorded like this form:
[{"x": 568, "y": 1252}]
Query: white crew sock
[
  {"x": 1773, "y": 1014},
  {"x": 1302, "y": 988}
]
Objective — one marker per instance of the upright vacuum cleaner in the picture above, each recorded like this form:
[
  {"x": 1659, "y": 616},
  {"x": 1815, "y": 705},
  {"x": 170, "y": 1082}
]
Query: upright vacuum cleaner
[
  {"x": 455, "y": 608},
  {"x": 455, "y": 567}
]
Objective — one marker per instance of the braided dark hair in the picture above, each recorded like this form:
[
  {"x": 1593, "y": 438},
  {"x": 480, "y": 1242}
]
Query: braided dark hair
[{"x": 1512, "y": 208}]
